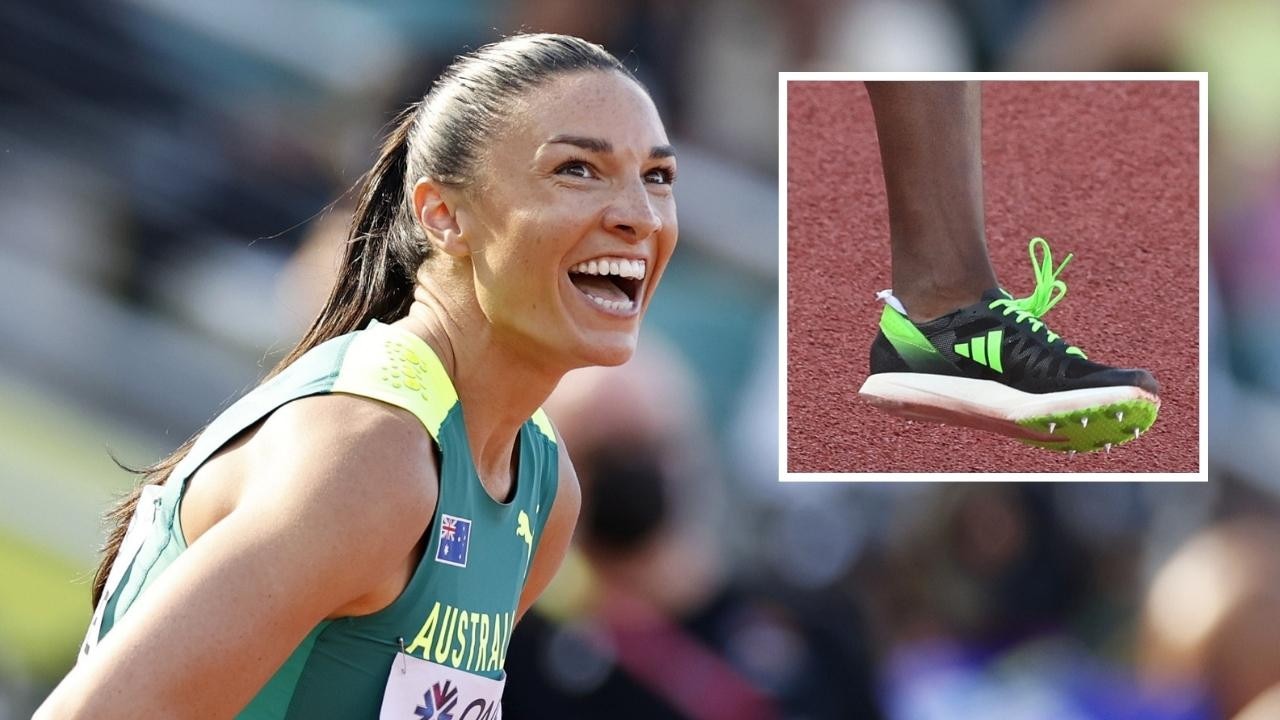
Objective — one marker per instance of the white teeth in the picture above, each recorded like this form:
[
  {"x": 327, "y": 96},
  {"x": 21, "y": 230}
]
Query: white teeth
[
  {"x": 619, "y": 305},
  {"x": 621, "y": 267}
]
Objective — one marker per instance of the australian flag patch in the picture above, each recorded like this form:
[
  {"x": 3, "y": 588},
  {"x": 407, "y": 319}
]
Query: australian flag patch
[{"x": 455, "y": 534}]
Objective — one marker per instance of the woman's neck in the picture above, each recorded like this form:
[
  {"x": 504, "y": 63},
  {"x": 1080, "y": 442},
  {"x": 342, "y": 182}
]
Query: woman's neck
[{"x": 498, "y": 387}]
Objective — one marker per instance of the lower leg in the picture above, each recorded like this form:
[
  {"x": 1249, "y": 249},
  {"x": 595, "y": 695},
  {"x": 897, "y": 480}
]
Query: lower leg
[{"x": 931, "y": 152}]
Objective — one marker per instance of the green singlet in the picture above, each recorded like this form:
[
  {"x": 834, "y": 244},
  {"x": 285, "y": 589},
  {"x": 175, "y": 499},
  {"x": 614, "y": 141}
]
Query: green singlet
[{"x": 438, "y": 649}]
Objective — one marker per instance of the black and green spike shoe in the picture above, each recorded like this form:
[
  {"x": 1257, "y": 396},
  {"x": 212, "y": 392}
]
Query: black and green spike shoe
[{"x": 996, "y": 366}]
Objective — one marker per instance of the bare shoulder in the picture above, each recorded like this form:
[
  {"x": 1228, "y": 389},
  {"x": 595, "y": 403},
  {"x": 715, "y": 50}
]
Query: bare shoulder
[
  {"x": 357, "y": 481},
  {"x": 362, "y": 446},
  {"x": 342, "y": 457},
  {"x": 354, "y": 445}
]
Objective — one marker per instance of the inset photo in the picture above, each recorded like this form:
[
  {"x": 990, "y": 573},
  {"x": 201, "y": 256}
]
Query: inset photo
[{"x": 932, "y": 226}]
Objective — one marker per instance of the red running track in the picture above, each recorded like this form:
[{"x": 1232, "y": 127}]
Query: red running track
[{"x": 1105, "y": 170}]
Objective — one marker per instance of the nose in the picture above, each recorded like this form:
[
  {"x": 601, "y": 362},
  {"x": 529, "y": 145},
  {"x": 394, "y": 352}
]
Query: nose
[{"x": 632, "y": 215}]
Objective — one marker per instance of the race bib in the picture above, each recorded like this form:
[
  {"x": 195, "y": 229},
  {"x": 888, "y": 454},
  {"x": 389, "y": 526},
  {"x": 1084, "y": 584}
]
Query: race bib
[
  {"x": 134, "y": 538},
  {"x": 418, "y": 689}
]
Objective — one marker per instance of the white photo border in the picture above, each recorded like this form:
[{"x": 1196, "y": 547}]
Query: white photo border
[{"x": 1201, "y": 475}]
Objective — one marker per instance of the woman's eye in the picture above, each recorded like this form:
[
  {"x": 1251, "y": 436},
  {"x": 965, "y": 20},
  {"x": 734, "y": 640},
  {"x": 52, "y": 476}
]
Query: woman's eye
[
  {"x": 660, "y": 176},
  {"x": 576, "y": 168}
]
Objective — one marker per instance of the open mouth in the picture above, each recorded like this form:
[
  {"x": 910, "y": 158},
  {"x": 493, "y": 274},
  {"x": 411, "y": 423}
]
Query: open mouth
[{"x": 613, "y": 283}]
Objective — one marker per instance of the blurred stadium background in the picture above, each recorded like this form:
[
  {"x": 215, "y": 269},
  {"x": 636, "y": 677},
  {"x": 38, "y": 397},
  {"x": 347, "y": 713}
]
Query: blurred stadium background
[{"x": 166, "y": 177}]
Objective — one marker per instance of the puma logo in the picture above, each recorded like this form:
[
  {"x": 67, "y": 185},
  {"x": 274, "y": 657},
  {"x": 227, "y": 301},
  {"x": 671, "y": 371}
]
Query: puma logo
[{"x": 525, "y": 530}]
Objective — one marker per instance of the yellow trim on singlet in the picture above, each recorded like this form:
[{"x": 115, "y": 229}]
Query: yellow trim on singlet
[
  {"x": 544, "y": 424},
  {"x": 398, "y": 368},
  {"x": 395, "y": 366}
]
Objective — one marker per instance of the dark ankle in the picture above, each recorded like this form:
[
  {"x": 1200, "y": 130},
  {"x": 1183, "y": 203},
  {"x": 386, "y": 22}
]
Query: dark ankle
[{"x": 925, "y": 306}]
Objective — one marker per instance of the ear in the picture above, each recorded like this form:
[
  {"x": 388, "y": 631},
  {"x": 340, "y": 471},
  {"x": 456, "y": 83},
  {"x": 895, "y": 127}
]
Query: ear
[{"x": 438, "y": 220}]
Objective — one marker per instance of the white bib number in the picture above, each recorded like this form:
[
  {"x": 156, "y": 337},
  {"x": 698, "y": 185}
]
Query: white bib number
[
  {"x": 134, "y": 538},
  {"x": 418, "y": 689}
]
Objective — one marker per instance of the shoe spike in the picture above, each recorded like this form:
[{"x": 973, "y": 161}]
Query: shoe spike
[
  {"x": 1084, "y": 421},
  {"x": 1052, "y": 425}
]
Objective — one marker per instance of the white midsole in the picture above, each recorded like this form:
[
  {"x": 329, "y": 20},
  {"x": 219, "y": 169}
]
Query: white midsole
[{"x": 989, "y": 398}]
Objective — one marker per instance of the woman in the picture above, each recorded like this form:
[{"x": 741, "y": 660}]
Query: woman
[{"x": 345, "y": 541}]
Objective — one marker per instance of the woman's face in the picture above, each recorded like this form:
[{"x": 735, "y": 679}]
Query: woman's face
[{"x": 571, "y": 220}]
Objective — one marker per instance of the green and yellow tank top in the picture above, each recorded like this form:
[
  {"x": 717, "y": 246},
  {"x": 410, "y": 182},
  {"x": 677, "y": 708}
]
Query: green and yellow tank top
[{"x": 438, "y": 650}]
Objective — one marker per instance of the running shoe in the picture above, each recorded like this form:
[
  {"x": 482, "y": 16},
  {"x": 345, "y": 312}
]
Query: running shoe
[{"x": 996, "y": 366}]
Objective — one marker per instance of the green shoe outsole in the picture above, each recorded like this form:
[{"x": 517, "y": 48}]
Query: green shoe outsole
[{"x": 1096, "y": 428}]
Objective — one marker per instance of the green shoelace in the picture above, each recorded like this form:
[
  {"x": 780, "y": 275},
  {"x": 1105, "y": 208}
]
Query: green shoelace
[{"x": 1049, "y": 292}]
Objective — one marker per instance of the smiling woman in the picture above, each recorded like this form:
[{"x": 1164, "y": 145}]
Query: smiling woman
[
  {"x": 357, "y": 536},
  {"x": 581, "y": 173}
]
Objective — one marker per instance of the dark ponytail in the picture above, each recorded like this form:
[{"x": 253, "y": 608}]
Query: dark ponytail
[
  {"x": 439, "y": 137},
  {"x": 375, "y": 281},
  {"x": 383, "y": 250}
]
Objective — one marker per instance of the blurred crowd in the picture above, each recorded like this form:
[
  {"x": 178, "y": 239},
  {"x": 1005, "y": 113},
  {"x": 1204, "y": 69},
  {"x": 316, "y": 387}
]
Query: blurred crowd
[{"x": 173, "y": 183}]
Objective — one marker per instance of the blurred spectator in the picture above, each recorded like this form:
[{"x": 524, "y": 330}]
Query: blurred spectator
[
  {"x": 653, "y": 624},
  {"x": 1265, "y": 707},
  {"x": 1212, "y": 613},
  {"x": 985, "y": 597}
]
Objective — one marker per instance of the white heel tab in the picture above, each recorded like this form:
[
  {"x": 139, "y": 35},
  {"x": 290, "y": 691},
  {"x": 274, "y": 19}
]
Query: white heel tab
[{"x": 891, "y": 301}]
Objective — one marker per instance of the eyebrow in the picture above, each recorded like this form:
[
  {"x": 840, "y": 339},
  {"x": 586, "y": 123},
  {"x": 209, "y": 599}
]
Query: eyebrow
[
  {"x": 600, "y": 145},
  {"x": 662, "y": 151}
]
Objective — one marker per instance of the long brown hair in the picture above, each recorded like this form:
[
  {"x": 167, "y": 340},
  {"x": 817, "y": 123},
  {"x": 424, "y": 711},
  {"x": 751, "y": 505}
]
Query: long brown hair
[{"x": 441, "y": 137}]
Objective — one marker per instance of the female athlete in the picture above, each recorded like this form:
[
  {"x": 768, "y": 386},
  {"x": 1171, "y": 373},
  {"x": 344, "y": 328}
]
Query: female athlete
[{"x": 357, "y": 536}]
